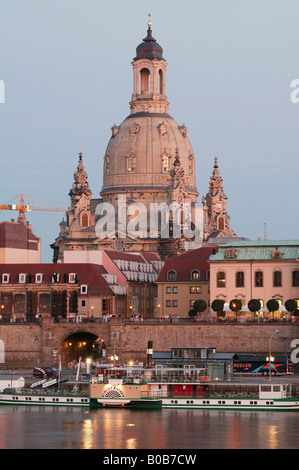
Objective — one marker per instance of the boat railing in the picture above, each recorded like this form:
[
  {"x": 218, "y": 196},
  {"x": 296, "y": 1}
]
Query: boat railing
[
  {"x": 231, "y": 392},
  {"x": 48, "y": 392},
  {"x": 160, "y": 380}
]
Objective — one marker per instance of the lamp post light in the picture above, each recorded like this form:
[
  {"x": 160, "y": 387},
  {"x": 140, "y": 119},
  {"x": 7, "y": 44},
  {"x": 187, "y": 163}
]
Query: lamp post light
[
  {"x": 88, "y": 365},
  {"x": 271, "y": 359}
]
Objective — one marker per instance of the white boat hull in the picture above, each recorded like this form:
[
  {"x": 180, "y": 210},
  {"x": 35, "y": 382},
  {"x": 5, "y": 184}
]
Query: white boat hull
[
  {"x": 231, "y": 404},
  {"x": 43, "y": 400}
]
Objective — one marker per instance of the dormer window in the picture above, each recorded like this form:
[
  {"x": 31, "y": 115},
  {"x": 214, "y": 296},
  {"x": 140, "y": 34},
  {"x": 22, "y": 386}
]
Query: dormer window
[
  {"x": 55, "y": 278},
  {"x": 276, "y": 254},
  {"x": 171, "y": 275},
  {"x": 38, "y": 278},
  {"x": 83, "y": 289},
  {"x": 22, "y": 278},
  {"x": 5, "y": 278},
  {"x": 72, "y": 278},
  {"x": 230, "y": 253},
  {"x": 195, "y": 275}
]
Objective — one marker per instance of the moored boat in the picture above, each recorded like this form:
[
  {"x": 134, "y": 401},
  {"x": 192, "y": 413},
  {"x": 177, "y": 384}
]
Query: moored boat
[{"x": 153, "y": 389}]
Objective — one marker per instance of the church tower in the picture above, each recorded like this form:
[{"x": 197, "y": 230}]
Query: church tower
[
  {"x": 216, "y": 219},
  {"x": 143, "y": 149},
  {"x": 78, "y": 231}
]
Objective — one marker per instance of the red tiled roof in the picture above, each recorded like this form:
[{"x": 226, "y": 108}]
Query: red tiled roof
[
  {"x": 87, "y": 273},
  {"x": 115, "y": 255},
  {"x": 185, "y": 263}
]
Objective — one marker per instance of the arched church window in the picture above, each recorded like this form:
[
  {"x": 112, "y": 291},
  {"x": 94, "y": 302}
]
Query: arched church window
[
  {"x": 220, "y": 223},
  {"x": 191, "y": 164},
  {"x": 165, "y": 163},
  {"x": 84, "y": 220},
  {"x": 130, "y": 163},
  {"x": 161, "y": 82},
  {"x": 144, "y": 81},
  {"x": 107, "y": 163}
]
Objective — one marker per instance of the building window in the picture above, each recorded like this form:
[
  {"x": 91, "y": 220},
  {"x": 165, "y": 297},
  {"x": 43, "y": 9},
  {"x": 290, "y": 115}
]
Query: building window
[
  {"x": 208, "y": 275},
  {"x": 83, "y": 303},
  {"x": 106, "y": 304},
  {"x": 106, "y": 164},
  {"x": 22, "y": 278},
  {"x": 259, "y": 279},
  {"x": 72, "y": 278},
  {"x": 5, "y": 278},
  {"x": 175, "y": 290},
  {"x": 44, "y": 303},
  {"x": 221, "y": 279},
  {"x": 144, "y": 81},
  {"x": 191, "y": 303},
  {"x": 220, "y": 223},
  {"x": 19, "y": 303},
  {"x": 38, "y": 278},
  {"x": 295, "y": 278},
  {"x": 83, "y": 289},
  {"x": 195, "y": 289},
  {"x": 130, "y": 163},
  {"x": 168, "y": 290},
  {"x": 84, "y": 220},
  {"x": 195, "y": 275},
  {"x": 174, "y": 303},
  {"x": 277, "y": 279},
  {"x": 168, "y": 303},
  {"x": 171, "y": 275},
  {"x": 165, "y": 163},
  {"x": 55, "y": 278},
  {"x": 240, "y": 279},
  {"x": 191, "y": 164}
]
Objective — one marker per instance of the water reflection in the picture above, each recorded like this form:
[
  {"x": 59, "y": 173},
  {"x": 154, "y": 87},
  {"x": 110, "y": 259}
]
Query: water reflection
[{"x": 72, "y": 428}]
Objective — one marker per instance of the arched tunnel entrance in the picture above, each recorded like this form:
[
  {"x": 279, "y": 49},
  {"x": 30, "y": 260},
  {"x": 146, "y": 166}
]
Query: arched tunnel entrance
[{"x": 84, "y": 345}]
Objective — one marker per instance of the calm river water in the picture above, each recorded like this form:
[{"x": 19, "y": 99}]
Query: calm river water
[{"x": 72, "y": 428}]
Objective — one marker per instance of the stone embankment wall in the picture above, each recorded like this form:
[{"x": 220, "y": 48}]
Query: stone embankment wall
[{"x": 27, "y": 345}]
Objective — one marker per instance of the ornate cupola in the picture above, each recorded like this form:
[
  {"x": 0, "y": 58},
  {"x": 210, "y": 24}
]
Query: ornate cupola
[
  {"x": 80, "y": 186},
  {"x": 149, "y": 69}
]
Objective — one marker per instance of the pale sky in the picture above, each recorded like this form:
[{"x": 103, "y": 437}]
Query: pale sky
[{"x": 66, "y": 66}]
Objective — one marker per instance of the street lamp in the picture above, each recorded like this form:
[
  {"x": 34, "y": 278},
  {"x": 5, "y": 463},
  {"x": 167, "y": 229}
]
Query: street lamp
[
  {"x": 88, "y": 365},
  {"x": 271, "y": 358}
]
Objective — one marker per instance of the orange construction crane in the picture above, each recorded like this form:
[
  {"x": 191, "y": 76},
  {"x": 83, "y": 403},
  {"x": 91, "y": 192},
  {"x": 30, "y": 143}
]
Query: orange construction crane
[{"x": 22, "y": 208}]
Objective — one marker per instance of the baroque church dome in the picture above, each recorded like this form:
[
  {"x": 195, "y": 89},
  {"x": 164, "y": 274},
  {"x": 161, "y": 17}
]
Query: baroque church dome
[{"x": 142, "y": 149}]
